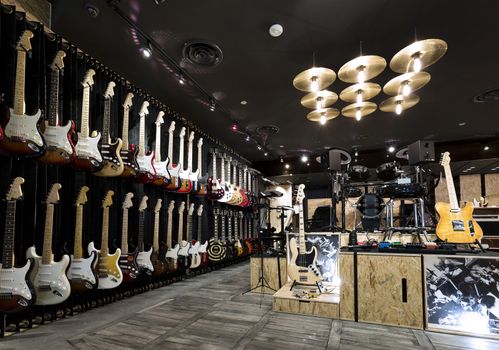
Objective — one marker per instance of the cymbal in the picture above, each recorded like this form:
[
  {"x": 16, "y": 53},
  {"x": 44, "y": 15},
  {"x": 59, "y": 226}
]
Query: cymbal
[
  {"x": 414, "y": 81},
  {"x": 364, "y": 108},
  {"x": 318, "y": 76},
  {"x": 406, "y": 102},
  {"x": 323, "y": 99},
  {"x": 325, "y": 113},
  {"x": 366, "y": 90},
  {"x": 429, "y": 51},
  {"x": 372, "y": 66}
]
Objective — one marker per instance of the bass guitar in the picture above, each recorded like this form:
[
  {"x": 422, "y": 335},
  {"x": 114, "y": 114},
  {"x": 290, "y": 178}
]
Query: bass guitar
[
  {"x": 173, "y": 169},
  {"x": 48, "y": 277},
  {"x": 172, "y": 252},
  {"x": 456, "y": 225},
  {"x": 15, "y": 293},
  {"x": 22, "y": 136},
  {"x": 60, "y": 140},
  {"x": 81, "y": 272},
  {"x": 158, "y": 257},
  {"x": 144, "y": 257},
  {"x": 162, "y": 174},
  {"x": 146, "y": 172},
  {"x": 128, "y": 259},
  {"x": 128, "y": 151},
  {"x": 216, "y": 248}
]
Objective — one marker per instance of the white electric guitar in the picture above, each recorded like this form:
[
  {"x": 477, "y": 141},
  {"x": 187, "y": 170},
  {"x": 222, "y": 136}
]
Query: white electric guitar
[
  {"x": 302, "y": 266},
  {"x": 193, "y": 247},
  {"x": 183, "y": 244},
  {"x": 173, "y": 169},
  {"x": 183, "y": 173},
  {"x": 224, "y": 183},
  {"x": 146, "y": 172},
  {"x": 162, "y": 174},
  {"x": 193, "y": 175},
  {"x": 49, "y": 277},
  {"x": 203, "y": 247},
  {"x": 172, "y": 252},
  {"x": 144, "y": 257}
]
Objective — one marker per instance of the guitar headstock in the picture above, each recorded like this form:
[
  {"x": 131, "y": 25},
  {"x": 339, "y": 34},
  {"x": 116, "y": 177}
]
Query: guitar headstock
[
  {"x": 229, "y": 213},
  {"x": 15, "y": 191},
  {"x": 24, "y": 43},
  {"x": 191, "y": 209},
  {"x": 171, "y": 206},
  {"x": 182, "y": 132},
  {"x": 88, "y": 79},
  {"x": 109, "y": 90},
  {"x": 127, "y": 203},
  {"x": 108, "y": 199},
  {"x": 445, "y": 160},
  {"x": 171, "y": 129},
  {"x": 200, "y": 142},
  {"x": 58, "y": 62},
  {"x": 216, "y": 211},
  {"x": 53, "y": 196},
  {"x": 240, "y": 214},
  {"x": 181, "y": 207},
  {"x": 82, "y": 196},
  {"x": 300, "y": 195},
  {"x": 128, "y": 101},
  {"x": 159, "y": 118},
  {"x": 143, "y": 203},
  {"x": 191, "y": 136},
  {"x": 143, "y": 110},
  {"x": 200, "y": 210},
  {"x": 157, "y": 208}
]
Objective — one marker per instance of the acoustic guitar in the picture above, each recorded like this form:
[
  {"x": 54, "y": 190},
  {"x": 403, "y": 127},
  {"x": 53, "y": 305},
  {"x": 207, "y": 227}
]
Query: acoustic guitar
[
  {"x": 128, "y": 259},
  {"x": 128, "y": 151},
  {"x": 455, "y": 225}
]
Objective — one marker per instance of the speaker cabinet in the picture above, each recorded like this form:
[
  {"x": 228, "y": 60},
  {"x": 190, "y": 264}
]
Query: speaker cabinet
[{"x": 421, "y": 152}]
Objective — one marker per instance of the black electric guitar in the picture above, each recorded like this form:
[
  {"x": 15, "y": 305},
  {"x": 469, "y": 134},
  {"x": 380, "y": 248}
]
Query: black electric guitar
[{"x": 216, "y": 248}]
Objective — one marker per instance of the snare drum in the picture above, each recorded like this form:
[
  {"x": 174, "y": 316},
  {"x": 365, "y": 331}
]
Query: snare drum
[
  {"x": 358, "y": 173},
  {"x": 388, "y": 171}
]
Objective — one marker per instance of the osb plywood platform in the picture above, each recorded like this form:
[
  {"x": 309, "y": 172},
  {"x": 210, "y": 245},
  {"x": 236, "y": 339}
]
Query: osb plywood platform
[{"x": 269, "y": 272}]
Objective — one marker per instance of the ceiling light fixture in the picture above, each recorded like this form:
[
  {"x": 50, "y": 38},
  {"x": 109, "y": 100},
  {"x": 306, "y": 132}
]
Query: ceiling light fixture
[
  {"x": 398, "y": 108},
  {"x": 147, "y": 50},
  {"x": 276, "y": 30},
  {"x": 259, "y": 147},
  {"x": 247, "y": 138},
  {"x": 358, "y": 114},
  {"x": 462, "y": 124},
  {"x": 416, "y": 63},
  {"x": 266, "y": 154},
  {"x": 243, "y": 102},
  {"x": 281, "y": 159},
  {"x": 212, "y": 105},
  {"x": 358, "y": 98},
  {"x": 286, "y": 166},
  {"x": 304, "y": 158},
  {"x": 361, "y": 75},
  {"x": 486, "y": 148},
  {"x": 391, "y": 149},
  {"x": 181, "y": 79},
  {"x": 406, "y": 88},
  {"x": 323, "y": 119},
  {"x": 235, "y": 126}
]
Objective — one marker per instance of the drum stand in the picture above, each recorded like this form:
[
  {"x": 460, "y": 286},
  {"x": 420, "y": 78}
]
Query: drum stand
[{"x": 418, "y": 216}]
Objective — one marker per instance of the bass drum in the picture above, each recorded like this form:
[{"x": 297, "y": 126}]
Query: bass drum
[
  {"x": 358, "y": 173},
  {"x": 388, "y": 171},
  {"x": 401, "y": 191}
]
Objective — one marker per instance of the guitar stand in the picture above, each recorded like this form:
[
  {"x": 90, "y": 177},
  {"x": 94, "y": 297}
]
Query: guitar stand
[
  {"x": 295, "y": 283},
  {"x": 262, "y": 281},
  {"x": 480, "y": 245}
]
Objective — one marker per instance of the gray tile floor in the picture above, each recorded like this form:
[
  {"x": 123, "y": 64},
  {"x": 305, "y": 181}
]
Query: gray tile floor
[{"x": 209, "y": 312}]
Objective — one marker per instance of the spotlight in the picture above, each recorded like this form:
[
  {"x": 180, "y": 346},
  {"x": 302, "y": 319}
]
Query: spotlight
[
  {"x": 234, "y": 126},
  {"x": 181, "y": 79},
  {"x": 276, "y": 30},
  {"x": 212, "y": 105},
  {"x": 281, "y": 159},
  {"x": 286, "y": 166},
  {"x": 259, "y": 147},
  {"x": 308, "y": 164},
  {"x": 391, "y": 149},
  {"x": 147, "y": 50},
  {"x": 356, "y": 153},
  {"x": 247, "y": 138},
  {"x": 486, "y": 148},
  {"x": 266, "y": 154},
  {"x": 304, "y": 158}
]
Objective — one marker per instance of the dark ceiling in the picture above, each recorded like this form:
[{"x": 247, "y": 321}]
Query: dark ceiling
[{"x": 259, "y": 68}]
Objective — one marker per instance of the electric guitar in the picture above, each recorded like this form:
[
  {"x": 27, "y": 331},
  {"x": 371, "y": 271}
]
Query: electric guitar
[
  {"x": 22, "y": 135},
  {"x": 15, "y": 294},
  {"x": 110, "y": 151},
  {"x": 248, "y": 247},
  {"x": 88, "y": 156},
  {"x": 146, "y": 172},
  {"x": 162, "y": 174},
  {"x": 48, "y": 277},
  {"x": 60, "y": 140},
  {"x": 81, "y": 272},
  {"x": 183, "y": 259},
  {"x": 193, "y": 175},
  {"x": 237, "y": 241},
  {"x": 228, "y": 191},
  {"x": 302, "y": 266},
  {"x": 216, "y": 248},
  {"x": 456, "y": 225},
  {"x": 108, "y": 269},
  {"x": 128, "y": 151},
  {"x": 243, "y": 186},
  {"x": 214, "y": 189},
  {"x": 158, "y": 258},
  {"x": 202, "y": 248},
  {"x": 172, "y": 252},
  {"x": 231, "y": 244},
  {"x": 128, "y": 259},
  {"x": 173, "y": 169},
  {"x": 144, "y": 257},
  {"x": 200, "y": 188},
  {"x": 238, "y": 197},
  {"x": 185, "y": 183},
  {"x": 193, "y": 251}
]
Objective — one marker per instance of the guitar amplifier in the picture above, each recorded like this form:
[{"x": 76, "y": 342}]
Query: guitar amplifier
[{"x": 488, "y": 219}]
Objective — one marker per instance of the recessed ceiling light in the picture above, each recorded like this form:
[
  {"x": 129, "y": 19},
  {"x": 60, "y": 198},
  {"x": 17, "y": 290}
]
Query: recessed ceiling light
[
  {"x": 265, "y": 154},
  {"x": 304, "y": 158},
  {"x": 276, "y": 30},
  {"x": 462, "y": 124},
  {"x": 486, "y": 148},
  {"x": 146, "y": 52},
  {"x": 243, "y": 102},
  {"x": 391, "y": 149},
  {"x": 286, "y": 166},
  {"x": 281, "y": 146}
]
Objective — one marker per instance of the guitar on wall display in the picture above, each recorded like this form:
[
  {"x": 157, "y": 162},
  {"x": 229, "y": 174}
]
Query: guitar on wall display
[
  {"x": 193, "y": 252},
  {"x": 214, "y": 189},
  {"x": 15, "y": 294},
  {"x": 173, "y": 169},
  {"x": 158, "y": 257},
  {"x": 456, "y": 225},
  {"x": 200, "y": 186},
  {"x": 216, "y": 249},
  {"x": 110, "y": 151},
  {"x": 202, "y": 250},
  {"x": 146, "y": 172},
  {"x": 49, "y": 277},
  {"x": 248, "y": 247},
  {"x": 227, "y": 189},
  {"x": 144, "y": 257},
  {"x": 302, "y": 266},
  {"x": 185, "y": 183},
  {"x": 172, "y": 252},
  {"x": 88, "y": 156},
  {"x": 128, "y": 260},
  {"x": 81, "y": 272},
  {"x": 193, "y": 175},
  {"x": 237, "y": 241},
  {"x": 21, "y": 132},
  {"x": 162, "y": 174},
  {"x": 60, "y": 140},
  {"x": 108, "y": 270},
  {"x": 128, "y": 151},
  {"x": 183, "y": 261},
  {"x": 231, "y": 244}
]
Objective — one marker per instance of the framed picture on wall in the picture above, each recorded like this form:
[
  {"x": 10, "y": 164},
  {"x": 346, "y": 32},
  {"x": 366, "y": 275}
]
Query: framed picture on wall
[{"x": 462, "y": 294}]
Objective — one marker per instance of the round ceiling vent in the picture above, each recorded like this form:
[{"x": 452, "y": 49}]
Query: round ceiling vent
[
  {"x": 487, "y": 96},
  {"x": 202, "y": 52}
]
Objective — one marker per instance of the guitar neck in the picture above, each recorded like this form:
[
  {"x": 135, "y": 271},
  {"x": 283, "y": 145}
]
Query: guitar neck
[
  {"x": 142, "y": 137},
  {"x": 189, "y": 155},
  {"x": 214, "y": 166},
  {"x": 47, "y": 238},
  {"x": 454, "y": 204},
  {"x": 200, "y": 228},
  {"x": 181, "y": 151},
  {"x": 156, "y": 232},
  {"x": 8, "y": 237},
  {"x": 124, "y": 232},
  {"x": 215, "y": 227},
  {"x": 105, "y": 232},
  {"x": 223, "y": 228},
  {"x": 54, "y": 98},
  {"x": 229, "y": 228},
  {"x": 84, "y": 130},
  {"x": 170, "y": 146},
  {"x": 301, "y": 226},
  {"x": 106, "y": 137},
  {"x": 180, "y": 227},
  {"x": 19, "y": 106},
  {"x": 140, "y": 243},
  {"x": 200, "y": 159},
  {"x": 188, "y": 228},
  {"x": 169, "y": 230},
  {"x": 222, "y": 169},
  {"x": 78, "y": 244},
  {"x": 157, "y": 149},
  {"x": 124, "y": 132}
]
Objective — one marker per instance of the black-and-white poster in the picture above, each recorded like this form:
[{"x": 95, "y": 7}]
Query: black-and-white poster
[{"x": 462, "y": 294}]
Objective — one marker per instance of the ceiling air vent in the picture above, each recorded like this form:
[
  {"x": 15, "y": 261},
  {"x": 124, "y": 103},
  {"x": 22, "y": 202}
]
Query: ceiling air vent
[
  {"x": 487, "y": 96},
  {"x": 202, "y": 53}
]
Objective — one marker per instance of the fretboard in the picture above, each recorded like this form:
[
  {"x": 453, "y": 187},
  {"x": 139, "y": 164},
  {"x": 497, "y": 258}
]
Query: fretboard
[
  {"x": 214, "y": 166},
  {"x": 157, "y": 149},
  {"x": 454, "y": 204},
  {"x": 215, "y": 227},
  {"x": 169, "y": 232},
  {"x": 223, "y": 228},
  {"x": 84, "y": 130},
  {"x": 47, "y": 237},
  {"x": 78, "y": 244},
  {"x": 301, "y": 231},
  {"x": 188, "y": 228},
  {"x": 222, "y": 170},
  {"x": 142, "y": 136},
  {"x": 124, "y": 232},
  {"x": 8, "y": 237},
  {"x": 189, "y": 155},
  {"x": 229, "y": 228},
  {"x": 124, "y": 132},
  {"x": 106, "y": 137},
  {"x": 156, "y": 232},
  {"x": 140, "y": 243},
  {"x": 236, "y": 228},
  {"x": 19, "y": 106},
  {"x": 180, "y": 233},
  {"x": 181, "y": 152},
  {"x": 200, "y": 159},
  {"x": 200, "y": 228},
  {"x": 54, "y": 98},
  {"x": 105, "y": 232},
  {"x": 170, "y": 146}
]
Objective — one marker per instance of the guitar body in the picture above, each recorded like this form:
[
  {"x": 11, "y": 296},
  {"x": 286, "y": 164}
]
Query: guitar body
[
  {"x": 129, "y": 157},
  {"x": 49, "y": 280},
  {"x": 457, "y": 227},
  {"x": 59, "y": 140},
  {"x": 201, "y": 188},
  {"x": 22, "y": 136},
  {"x": 159, "y": 262},
  {"x": 184, "y": 259},
  {"x": 302, "y": 267},
  {"x": 216, "y": 251},
  {"x": 144, "y": 262},
  {"x": 129, "y": 267},
  {"x": 185, "y": 182},
  {"x": 174, "y": 184},
  {"x": 88, "y": 156},
  {"x": 108, "y": 269},
  {"x": 15, "y": 292},
  {"x": 113, "y": 164},
  {"x": 249, "y": 246},
  {"x": 228, "y": 194},
  {"x": 162, "y": 174},
  {"x": 81, "y": 273},
  {"x": 239, "y": 247},
  {"x": 171, "y": 258},
  {"x": 194, "y": 178},
  {"x": 203, "y": 252},
  {"x": 213, "y": 189},
  {"x": 146, "y": 172},
  {"x": 194, "y": 255}
]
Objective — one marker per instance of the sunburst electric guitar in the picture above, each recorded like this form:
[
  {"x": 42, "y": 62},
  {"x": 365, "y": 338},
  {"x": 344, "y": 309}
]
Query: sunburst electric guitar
[
  {"x": 128, "y": 259},
  {"x": 162, "y": 174}
]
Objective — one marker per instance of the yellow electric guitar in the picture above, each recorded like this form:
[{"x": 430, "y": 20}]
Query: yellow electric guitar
[{"x": 456, "y": 225}]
